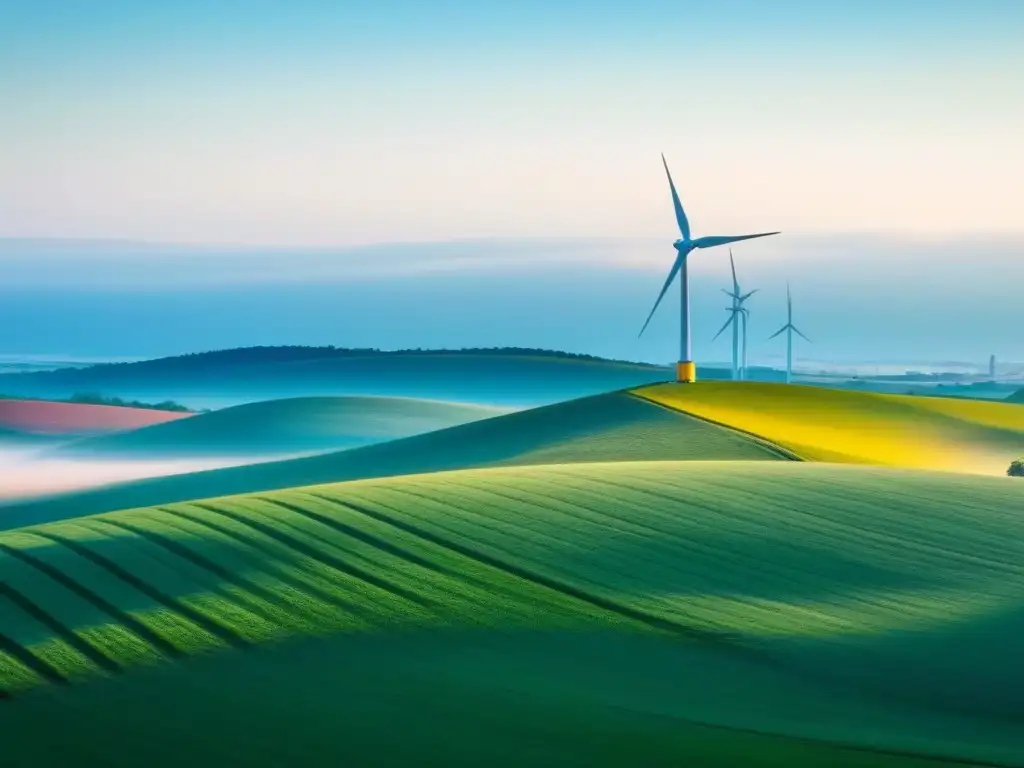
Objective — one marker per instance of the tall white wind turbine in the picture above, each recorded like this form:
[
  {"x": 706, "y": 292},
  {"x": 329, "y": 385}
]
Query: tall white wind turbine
[
  {"x": 789, "y": 336},
  {"x": 737, "y": 314},
  {"x": 685, "y": 369}
]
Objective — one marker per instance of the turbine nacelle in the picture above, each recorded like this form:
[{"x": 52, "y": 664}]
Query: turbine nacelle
[{"x": 685, "y": 245}]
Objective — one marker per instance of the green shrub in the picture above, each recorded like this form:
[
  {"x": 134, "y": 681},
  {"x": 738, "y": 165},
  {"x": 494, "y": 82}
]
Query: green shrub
[{"x": 1016, "y": 468}]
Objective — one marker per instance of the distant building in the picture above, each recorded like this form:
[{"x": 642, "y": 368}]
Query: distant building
[{"x": 992, "y": 367}]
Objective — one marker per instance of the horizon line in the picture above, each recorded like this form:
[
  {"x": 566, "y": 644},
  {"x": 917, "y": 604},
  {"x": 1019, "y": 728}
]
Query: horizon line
[{"x": 906, "y": 235}]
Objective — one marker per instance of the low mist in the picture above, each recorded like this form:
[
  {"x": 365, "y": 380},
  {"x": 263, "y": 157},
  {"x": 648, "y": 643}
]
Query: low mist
[{"x": 27, "y": 473}]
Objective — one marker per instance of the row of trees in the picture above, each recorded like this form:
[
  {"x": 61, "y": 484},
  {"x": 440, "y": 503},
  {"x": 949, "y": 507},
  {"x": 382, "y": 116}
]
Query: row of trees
[
  {"x": 96, "y": 399},
  {"x": 86, "y": 398},
  {"x": 287, "y": 354}
]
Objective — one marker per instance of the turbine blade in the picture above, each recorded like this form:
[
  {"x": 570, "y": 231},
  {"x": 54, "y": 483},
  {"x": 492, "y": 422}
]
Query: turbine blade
[
  {"x": 684, "y": 225},
  {"x": 783, "y": 328},
  {"x": 668, "y": 281},
  {"x": 730, "y": 294},
  {"x": 711, "y": 242},
  {"x": 735, "y": 282},
  {"x": 746, "y": 296},
  {"x": 722, "y": 329},
  {"x": 797, "y": 331}
]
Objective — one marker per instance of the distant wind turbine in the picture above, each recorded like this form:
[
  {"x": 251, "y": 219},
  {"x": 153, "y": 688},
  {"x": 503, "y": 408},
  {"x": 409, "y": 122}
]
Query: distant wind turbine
[
  {"x": 685, "y": 369},
  {"x": 789, "y": 336},
  {"x": 737, "y": 313},
  {"x": 743, "y": 365}
]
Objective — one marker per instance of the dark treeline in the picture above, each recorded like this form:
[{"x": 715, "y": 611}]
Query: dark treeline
[
  {"x": 87, "y": 398},
  {"x": 289, "y": 354},
  {"x": 90, "y": 398}
]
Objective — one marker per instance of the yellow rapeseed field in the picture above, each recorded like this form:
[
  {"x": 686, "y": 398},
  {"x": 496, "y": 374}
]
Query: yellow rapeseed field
[{"x": 820, "y": 424}]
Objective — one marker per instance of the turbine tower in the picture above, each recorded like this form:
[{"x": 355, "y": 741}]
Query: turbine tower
[
  {"x": 737, "y": 312},
  {"x": 685, "y": 370},
  {"x": 743, "y": 365},
  {"x": 789, "y": 336}
]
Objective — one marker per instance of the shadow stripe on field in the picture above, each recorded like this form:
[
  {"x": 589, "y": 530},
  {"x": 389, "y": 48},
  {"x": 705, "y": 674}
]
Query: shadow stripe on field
[
  {"x": 537, "y": 578},
  {"x": 160, "y": 643},
  {"x": 203, "y": 621}
]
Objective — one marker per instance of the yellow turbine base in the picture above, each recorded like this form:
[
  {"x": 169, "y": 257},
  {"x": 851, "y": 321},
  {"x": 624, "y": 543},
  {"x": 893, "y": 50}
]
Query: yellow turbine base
[{"x": 686, "y": 372}]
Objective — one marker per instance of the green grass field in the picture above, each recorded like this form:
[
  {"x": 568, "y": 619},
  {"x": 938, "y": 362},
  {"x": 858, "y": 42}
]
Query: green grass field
[
  {"x": 821, "y": 424},
  {"x": 610, "y": 427},
  {"x": 718, "y": 612},
  {"x": 292, "y": 425}
]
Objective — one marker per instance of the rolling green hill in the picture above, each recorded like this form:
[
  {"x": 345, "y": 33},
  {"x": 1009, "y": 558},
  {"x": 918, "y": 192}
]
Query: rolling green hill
[
  {"x": 654, "y": 613},
  {"x": 610, "y": 427},
  {"x": 292, "y": 425},
  {"x": 514, "y": 377},
  {"x": 820, "y": 424}
]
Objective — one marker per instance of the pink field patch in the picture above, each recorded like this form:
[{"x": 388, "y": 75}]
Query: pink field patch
[{"x": 45, "y": 418}]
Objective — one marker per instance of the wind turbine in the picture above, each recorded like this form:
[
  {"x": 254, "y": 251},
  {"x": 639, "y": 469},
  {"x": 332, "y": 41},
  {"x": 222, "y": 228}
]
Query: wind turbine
[
  {"x": 789, "y": 336},
  {"x": 685, "y": 369},
  {"x": 737, "y": 312}
]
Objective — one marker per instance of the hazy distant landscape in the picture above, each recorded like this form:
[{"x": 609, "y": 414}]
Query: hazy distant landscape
[
  {"x": 277, "y": 403},
  {"x": 588, "y": 295}
]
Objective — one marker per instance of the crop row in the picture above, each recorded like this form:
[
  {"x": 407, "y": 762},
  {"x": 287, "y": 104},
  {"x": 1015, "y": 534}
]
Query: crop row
[{"x": 725, "y": 552}]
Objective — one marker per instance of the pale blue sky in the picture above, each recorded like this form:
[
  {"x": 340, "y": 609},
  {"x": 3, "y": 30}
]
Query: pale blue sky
[{"x": 321, "y": 122}]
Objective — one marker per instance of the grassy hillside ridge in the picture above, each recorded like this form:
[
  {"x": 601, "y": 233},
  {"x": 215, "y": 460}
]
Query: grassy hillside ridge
[
  {"x": 821, "y": 424},
  {"x": 507, "y": 377},
  {"x": 609, "y": 427},
  {"x": 855, "y": 590},
  {"x": 1016, "y": 397},
  {"x": 290, "y": 425}
]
